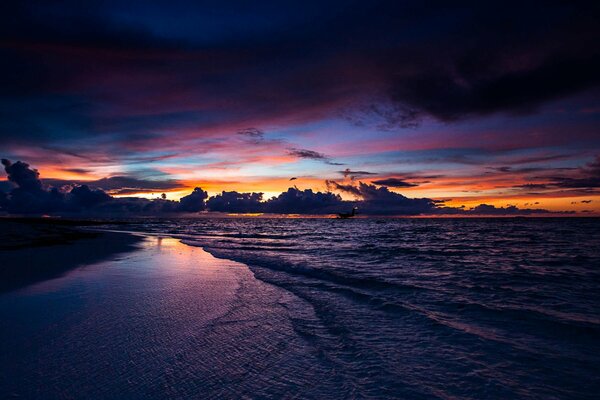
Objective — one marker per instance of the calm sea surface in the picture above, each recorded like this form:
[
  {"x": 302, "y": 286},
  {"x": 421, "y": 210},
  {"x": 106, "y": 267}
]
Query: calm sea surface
[{"x": 364, "y": 308}]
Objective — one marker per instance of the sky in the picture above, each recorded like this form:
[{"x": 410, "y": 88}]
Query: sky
[{"x": 461, "y": 104}]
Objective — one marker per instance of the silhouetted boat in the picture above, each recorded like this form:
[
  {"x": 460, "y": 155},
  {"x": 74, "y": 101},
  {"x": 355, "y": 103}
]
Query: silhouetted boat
[{"x": 348, "y": 215}]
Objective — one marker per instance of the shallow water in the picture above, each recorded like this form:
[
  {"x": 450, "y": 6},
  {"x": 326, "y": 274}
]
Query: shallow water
[
  {"x": 167, "y": 321},
  {"x": 397, "y": 308},
  {"x": 460, "y": 308}
]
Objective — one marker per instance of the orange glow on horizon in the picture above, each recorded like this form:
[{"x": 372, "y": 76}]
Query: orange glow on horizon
[{"x": 464, "y": 189}]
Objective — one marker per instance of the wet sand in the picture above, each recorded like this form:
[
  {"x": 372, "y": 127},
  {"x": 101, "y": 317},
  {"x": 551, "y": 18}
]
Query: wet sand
[
  {"x": 165, "y": 321},
  {"x": 34, "y": 250}
]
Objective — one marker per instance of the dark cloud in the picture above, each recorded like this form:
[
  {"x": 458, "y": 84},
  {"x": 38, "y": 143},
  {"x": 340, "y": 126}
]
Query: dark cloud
[
  {"x": 234, "y": 202},
  {"x": 82, "y": 171},
  {"x": 120, "y": 184},
  {"x": 394, "y": 182},
  {"x": 193, "y": 202},
  {"x": 486, "y": 209},
  {"x": 254, "y": 133},
  {"x": 533, "y": 186},
  {"x": 311, "y": 155},
  {"x": 6, "y": 186},
  {"x": 355, "y": 174},
  {"x": 576, "y": 180},
  {"x": 292, "y": 201},
  {"x": 22, "y": 176},
  {"x": 491, "y": 210},
  {"x": 419, "y": 176},
  {"x": 75, "y": 70},
  {"x": 117, "y": 184},
  {"x": 384, "y": 116},
  {"x": 541, "y": 158},
  {"x": 582, "y": 179},
  {"x": 440, "y": 93},
  {"x": 512, "y": 61},
  {"x": 295, "y": 201},
  {"x": 587, "y": 177},
  {"x": 30, "y": 196},
  {"x": 382, "y": 201},
  {"x": 85, "y": 198}
]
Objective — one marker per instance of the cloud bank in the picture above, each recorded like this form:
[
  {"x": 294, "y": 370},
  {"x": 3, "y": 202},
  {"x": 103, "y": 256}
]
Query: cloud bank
[{"x": 28, "y": 195}]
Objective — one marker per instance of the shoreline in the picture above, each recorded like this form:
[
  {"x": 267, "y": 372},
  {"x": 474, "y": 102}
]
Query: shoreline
[
  {"x": 33, "y": 251},
  {"x": 114, "y": 328},
  {"x": 226, "y": 319}
]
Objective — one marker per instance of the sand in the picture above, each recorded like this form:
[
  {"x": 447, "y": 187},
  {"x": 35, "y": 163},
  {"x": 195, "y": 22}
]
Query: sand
[
  {"x": 165, "y": 321},
  {"x": 33, "y": 250}
]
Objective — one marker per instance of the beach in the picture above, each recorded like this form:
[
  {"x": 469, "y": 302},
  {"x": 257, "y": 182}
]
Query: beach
[
  {"x": 161, "y": 320},
  {"x": 34, "y": 249}
]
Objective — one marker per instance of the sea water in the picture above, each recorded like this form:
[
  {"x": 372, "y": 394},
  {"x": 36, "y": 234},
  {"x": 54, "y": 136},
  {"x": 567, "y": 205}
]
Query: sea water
[{"x": 364, "y": 308}]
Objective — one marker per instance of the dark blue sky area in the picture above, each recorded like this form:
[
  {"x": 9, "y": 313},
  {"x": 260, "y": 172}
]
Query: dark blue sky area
[{"x": 488, "y": 97}]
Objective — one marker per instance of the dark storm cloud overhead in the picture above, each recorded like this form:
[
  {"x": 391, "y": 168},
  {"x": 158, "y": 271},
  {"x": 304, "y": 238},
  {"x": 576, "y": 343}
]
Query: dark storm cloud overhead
[
  {"x": 77, "y": 69},
  {"x": 439, "y": 93},
  {"x": 500, "y": 56}
]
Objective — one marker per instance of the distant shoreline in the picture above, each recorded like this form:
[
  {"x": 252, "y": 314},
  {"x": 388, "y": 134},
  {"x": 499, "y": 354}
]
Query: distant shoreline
[{"x": 33, "y": 250}]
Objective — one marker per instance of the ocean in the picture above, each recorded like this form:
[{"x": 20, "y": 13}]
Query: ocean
[{"x": 497, "y": 308}]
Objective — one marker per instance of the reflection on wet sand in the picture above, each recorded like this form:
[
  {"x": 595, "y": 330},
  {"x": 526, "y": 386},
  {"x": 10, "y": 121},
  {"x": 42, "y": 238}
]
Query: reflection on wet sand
[{"x": 168, "y": 320}]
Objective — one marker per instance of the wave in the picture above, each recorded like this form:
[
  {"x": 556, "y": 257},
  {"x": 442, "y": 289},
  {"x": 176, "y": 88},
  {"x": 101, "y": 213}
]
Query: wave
[{"x": 453, "y": 309}]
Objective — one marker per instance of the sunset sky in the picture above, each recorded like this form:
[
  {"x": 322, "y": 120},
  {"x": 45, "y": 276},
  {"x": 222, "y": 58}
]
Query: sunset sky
[{"x": 495, "y": 104}]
